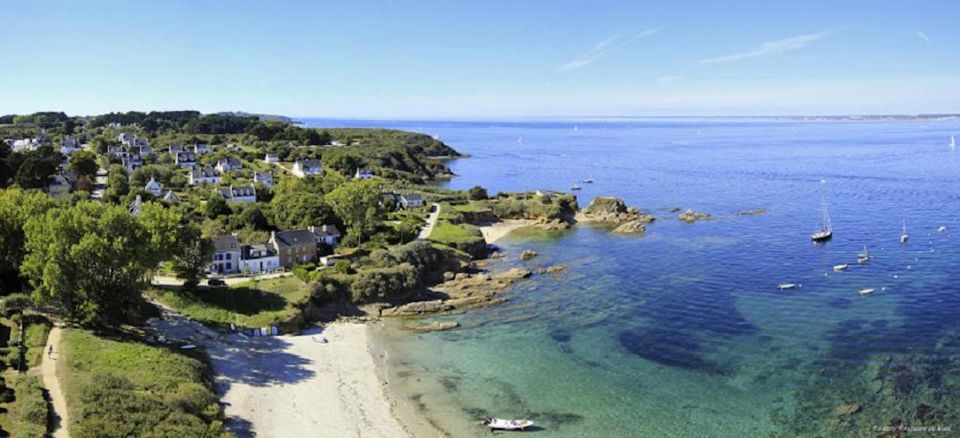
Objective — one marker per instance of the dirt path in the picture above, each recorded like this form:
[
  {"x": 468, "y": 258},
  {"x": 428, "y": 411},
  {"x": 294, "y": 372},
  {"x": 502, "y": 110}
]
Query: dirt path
[
  {"x": 48, "y": 369},
  {"x": 431, "y": 222}
]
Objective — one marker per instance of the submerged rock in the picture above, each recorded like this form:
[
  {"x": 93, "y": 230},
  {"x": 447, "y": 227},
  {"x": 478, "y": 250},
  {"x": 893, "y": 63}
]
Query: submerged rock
[
  {"x": 435, "y": 326},
  {"x": 693, "y": 216},
  {"x": 528, "y": 254},
  {"x": 551, "y": 269},
  {"x": 631, "y": 227}
]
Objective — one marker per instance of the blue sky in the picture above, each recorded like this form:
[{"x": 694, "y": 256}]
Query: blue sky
[{"x": 458, "y": 59}]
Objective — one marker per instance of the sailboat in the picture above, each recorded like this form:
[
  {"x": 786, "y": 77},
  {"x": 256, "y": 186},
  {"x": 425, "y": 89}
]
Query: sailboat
[
  {"x": 953, "y": 143},
  {"x": 520, "y": 139},
  {"x": 825, "y": 232},
  {"x": 864, "y": 256},
  {"x": 904, "y": 236}
]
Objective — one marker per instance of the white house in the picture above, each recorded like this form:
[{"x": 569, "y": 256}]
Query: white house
[
  {"x": 26, "y": 144},
  {"x": 411, "y": 200},
  {"x": 265, "y": 178},
  {"x": 201, "y": 148},
  {"x": 256, "y": 259},
  {"x": 226, "y": 258},
  {"x": 186, "y": 160},
  {"x": 176, "y": 149},
  {"x": 326, "y": 234},
  {"x": 154, "y": 188},
  {"x": 271, "y": 158},
  {"x": 203, "y": 175},
  {"x": 305, "y": 168},
  {"x": 126, "y": 138},
  {"x": 69, "y": 145},
  {"x": 228, "y": 164},
  {"x": 363, "y": 174},
  {"x": 239, "y": 194}
]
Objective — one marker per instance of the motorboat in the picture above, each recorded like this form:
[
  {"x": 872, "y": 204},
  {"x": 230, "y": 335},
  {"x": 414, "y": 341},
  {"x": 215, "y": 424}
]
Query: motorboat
[
  {"x": 501, "y": 424},
  {"x": 787, "y": 286},
  {"x": 841, "y": 267},
  {"x": 575, "y": 187},
  {"x": 942, "y": 228},
  {"x": 904, "y": 236},
  {"x": 588, "y": 181},
  {"x": 866, "y": 291}
]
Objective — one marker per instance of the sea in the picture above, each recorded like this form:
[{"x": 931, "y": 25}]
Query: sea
[{"x": 683, "y": 331}]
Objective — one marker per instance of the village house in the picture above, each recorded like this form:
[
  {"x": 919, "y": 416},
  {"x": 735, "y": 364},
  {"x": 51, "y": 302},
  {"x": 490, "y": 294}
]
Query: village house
[
  {"x": 294, "y": 247},
  {"x": 226, "y": 256},
  {"x": 265, "y": 178},
  {"x": 154, "y": 188},
  {"x": 257, "y": 259},
  {"x": 411, "y": 200},
  {"x": 69, "y": 145},
  {"x": 244, "y": 194},
  {"x": 176, "y": 149},
  {"x": 326, "y": 234},
  {"x": 363, "y": 174},
  {"x": 305, "y": 168},
  {"x": 171, "y": 197},
  {"x": 203, "y": 175},
  {"x": 271, "y": 158},
  {"x": 201, "y": 148},
  {"x": 26, "y": 144},
  {"x": 126, "y": 138},
  {"x": 186, "y": 160},
  {"x": 228, "y": 164}
]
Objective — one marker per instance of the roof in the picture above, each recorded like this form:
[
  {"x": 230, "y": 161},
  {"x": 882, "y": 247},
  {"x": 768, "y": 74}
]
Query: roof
[
  {"x": 202, "y": 172},
  {"x": 308, "y": 163},
  {"x": 247, "y": 251},
  {"x": 327, "y": 230},
  {"x": 232, "y": 162},
  {"x": 226, "y": 243},
  {"x": 186, "y": 156},
  {"x": 261, "y": 176},
  {"x": 294, "y": 238},
  {"x": 171, "y": 197},
  {"x": 412, "y": 196},
  {"x": 234, "y": 191}
]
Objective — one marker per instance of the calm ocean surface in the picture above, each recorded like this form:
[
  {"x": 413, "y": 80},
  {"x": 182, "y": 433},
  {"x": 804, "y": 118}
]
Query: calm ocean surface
[{"x": 682, "y": 332}]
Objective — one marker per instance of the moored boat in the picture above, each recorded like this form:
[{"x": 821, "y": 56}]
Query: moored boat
[
  {"x": 787, "y": 286},
  {"x": 866, "y": 291},
  {"x": 825, "y": 232},
  {"x": 501, "y": 424},
  {"x": 864, "y": 256},
  {"x": 904, "y": 236},
  {"x": 575, "y": 187},
  {"x": 841, "y": 267}
]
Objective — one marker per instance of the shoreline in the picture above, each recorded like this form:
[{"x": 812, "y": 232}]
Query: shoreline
[{"x": 498, "y": 230}]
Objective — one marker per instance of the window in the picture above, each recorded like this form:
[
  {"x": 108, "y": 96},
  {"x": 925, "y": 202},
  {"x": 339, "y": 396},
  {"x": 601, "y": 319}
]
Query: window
[
  {"x": 218, "y": 257},
  {"x": 229, "y": 256},
  {"x": 228, "y": 266}
]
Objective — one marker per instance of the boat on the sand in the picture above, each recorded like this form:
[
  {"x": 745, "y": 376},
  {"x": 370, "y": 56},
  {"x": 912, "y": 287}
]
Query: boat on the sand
[{"x": 501, "y": 424}]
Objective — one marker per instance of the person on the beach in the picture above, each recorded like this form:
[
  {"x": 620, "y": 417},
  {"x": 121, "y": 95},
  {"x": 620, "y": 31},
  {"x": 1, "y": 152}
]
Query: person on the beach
[{"x": 50, "y": 351}]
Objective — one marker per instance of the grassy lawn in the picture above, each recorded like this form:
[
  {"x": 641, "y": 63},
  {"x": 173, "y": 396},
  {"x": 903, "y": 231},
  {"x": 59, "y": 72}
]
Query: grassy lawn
[
  {"x": 36, "y": 329},
  {"x": 472, "y": 207},
  {"x": 251, "y": 304},
  {"x": 445, "y": 232},
  {"x": 122, "y": 387}
]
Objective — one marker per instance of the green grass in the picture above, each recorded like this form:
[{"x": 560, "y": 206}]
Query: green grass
[
  {"x": 472, "y": 207},
  {"x": 251, "y": 304},
  {"x": 35, "y": 338},
  {"x": 122, "y": 387},
  {"x": 31, "y": 407},
  {"x": 445, "y": 232}
]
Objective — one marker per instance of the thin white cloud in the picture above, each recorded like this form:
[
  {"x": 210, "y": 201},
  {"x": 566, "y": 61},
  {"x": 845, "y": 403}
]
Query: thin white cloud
[
  {"x": 768, "y": 48},
  {"x": 602, "y": 48},
  {"x": 924, "y": 37}
]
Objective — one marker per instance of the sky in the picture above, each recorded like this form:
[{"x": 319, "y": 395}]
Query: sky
[{"x": 481, "y": 59}]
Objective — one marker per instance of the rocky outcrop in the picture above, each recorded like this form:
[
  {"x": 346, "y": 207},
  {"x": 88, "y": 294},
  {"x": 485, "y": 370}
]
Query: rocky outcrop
[
  {"x": 464, "y": 290},
  {"x": 613, "y": 211},
  {"x": 691, "y": 216},
  {"x": 528, "y": 254},
  {"x": 551, "y": 269},
  {"x": 435, "y": 326}
]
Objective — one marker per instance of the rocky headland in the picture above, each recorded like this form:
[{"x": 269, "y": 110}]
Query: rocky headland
[{"x": 613, "y": 212}]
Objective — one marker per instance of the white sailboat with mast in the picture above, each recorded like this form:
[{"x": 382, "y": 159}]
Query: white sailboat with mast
[
  {"x": 904, "y": 236},
  {"x": 953, "y": 143},
  {"x": 825, "y": 232}
]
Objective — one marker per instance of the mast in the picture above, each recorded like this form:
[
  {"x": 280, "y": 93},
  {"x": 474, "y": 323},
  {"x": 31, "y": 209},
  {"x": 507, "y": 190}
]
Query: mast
[{"x": 826, "y": 216}]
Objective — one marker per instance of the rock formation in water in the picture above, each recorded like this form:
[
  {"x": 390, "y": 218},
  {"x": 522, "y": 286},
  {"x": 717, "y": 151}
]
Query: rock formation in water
[
  {"x": 691, "y": 216},
  {"x": 613, "y": 211}
]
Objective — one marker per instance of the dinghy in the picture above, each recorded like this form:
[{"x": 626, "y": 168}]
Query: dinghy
[
  {"x": 867, "y": 291},
  {"x": 841, "y": 267},
  {"x": 501, "y": 424},
  {"x": 787, "y": 286}
]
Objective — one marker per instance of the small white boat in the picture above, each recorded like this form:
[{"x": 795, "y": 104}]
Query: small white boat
[
  {"x": 904, "y": 236},
  {"x": 841, "y": 267},
  {"x": 942, "y": 228},
  {"x": 520, "y": 140},
  {"x": 953, "y": 143},
  {"x": 787, "y": 286},
  {"x": 867, "y": 291},
  {"x": 574, "y": 187},
  {"x": 501, "y": 424},
  {"x": 864, "y": 256},
  {"x": 588, "y": 181}
]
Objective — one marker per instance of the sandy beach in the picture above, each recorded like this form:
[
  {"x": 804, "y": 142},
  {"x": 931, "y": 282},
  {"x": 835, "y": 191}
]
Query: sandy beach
[
  {"x": 498, "y": 230},
  {"x": 299, "y": 385}
]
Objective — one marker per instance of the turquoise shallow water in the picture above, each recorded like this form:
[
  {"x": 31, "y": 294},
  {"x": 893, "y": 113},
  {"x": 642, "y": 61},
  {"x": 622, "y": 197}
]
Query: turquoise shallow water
[{"x": 682, "y": 332}]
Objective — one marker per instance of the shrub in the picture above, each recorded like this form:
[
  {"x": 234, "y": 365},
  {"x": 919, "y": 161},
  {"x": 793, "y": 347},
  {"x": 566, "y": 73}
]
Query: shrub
[{"x": 31, "y": 407}]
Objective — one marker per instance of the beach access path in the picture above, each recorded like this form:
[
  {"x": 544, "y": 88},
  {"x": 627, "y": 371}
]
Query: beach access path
[
  {"x": 48, "y": 371},
  {"x": 431, "y": 222}
]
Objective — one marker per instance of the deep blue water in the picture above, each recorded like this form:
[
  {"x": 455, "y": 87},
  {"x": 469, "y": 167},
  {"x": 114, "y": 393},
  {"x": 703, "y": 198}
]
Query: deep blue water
[{"x": 682, "y": 332}]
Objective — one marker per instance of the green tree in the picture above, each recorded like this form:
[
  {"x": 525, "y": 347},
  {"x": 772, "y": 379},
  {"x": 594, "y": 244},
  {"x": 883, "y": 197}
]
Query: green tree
[
  {"x": 16, "y": 207},
  {"x": 194, "y": 252},
  {"x": 37, "y": 168},
  {"x": 477, "y": 193},
  {"x": 83, "y": 163},
  {"x": 91, "y": 259},
  {"x": 216, "y": 206},
  {"x": 357, "y": 204},
  {"x": 118, "y": 184}
]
